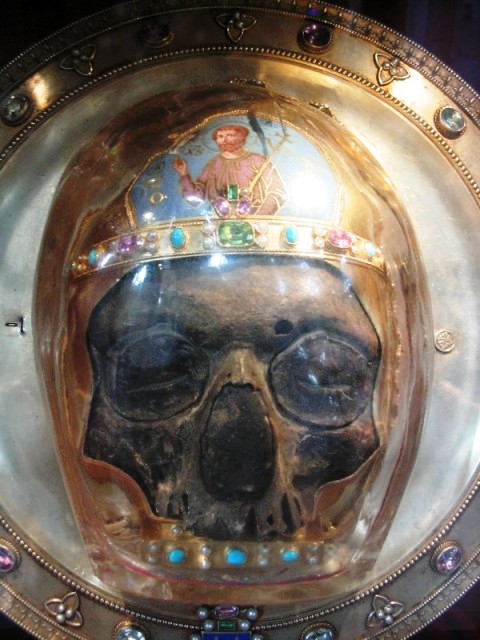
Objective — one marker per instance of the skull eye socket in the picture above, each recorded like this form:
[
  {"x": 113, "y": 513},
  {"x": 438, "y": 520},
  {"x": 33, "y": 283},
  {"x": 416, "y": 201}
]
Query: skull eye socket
[
  {"x": 322, "y": 380},
  {"x": 155, "y": 375}
]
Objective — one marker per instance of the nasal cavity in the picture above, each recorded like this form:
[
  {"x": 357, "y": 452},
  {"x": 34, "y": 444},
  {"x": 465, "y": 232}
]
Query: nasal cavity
[{"x": 238, "y": 446}]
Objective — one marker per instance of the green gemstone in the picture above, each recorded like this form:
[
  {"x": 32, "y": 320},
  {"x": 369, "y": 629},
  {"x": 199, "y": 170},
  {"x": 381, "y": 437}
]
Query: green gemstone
[
  {"x": 232, "y": 192},
  {"x": 226, "y": 625},
  {"x": 235, "y": 234}
]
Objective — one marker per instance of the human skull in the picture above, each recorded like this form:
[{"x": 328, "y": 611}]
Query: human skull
[{"x": 231, "y": 393}]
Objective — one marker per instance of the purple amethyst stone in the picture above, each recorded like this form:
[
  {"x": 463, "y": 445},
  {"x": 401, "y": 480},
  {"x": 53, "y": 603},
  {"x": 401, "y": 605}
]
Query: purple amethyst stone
[
  {"x": 8, "y": 560},
  {"x": 225, "y": 612},
  {"x": 127, "y": 244},
  {"x": 222, "y": 207},
  {"x": 244, "y": 207},
  {"x": 449, "y": 559},
  {"x": 315, "y": 36}
]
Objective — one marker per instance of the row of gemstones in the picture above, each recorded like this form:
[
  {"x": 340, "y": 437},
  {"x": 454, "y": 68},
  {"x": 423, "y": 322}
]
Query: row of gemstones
[
  {"x": 232, "y": 556},
  {"x": 226, "y": 618},
  {"x": 230, "y": 234}
]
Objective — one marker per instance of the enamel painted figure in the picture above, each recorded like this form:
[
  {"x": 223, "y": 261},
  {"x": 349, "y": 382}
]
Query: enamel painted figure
[{"x": 235, "y": 174}]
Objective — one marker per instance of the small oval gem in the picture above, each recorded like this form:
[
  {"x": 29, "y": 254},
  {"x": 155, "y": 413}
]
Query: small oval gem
[
  {"x": 156, "y": 34},
  {"x": 244, "y": 207},
  {"x": 127, "y": 244},
  {"x": 447, "y": 558},
  {"x": 315, "y": 37},
  {"x": 235, "y": 556},
  {"x": 322, "y": 632},
  {"x": 291, "y": 234},
  {"x": 339, "y": 238},
  {"x": 8, "y": 559},
  {"x": 370, "y": 250},
  {"x": 93, "y": 257},
  {"x": 290, "y": 555},
  {"x": 225, "y": 612},
  {"x": 178, "y": 238},
  {"x": 176, "y": 556},
  {"x": 130, "y": 633},
  {"x": 222, "y": 207},
  {"x": 15, "y": 109},
  {"x": 450, "y": 122}
]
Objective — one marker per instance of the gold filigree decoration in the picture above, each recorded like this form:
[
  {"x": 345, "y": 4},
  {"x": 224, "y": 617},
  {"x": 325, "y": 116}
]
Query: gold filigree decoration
[
  {"x": 65, "y": 610},
  {"x": 235, "y": 24},
  {"x": 389, "y": 69}
]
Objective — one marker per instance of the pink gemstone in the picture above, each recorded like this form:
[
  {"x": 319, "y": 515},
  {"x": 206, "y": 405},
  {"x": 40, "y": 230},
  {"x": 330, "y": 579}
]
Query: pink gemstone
[
  {"x": 244, "y": 207},
  {"x": 7, "y": 560},
  {"x": 339, "y": 238},
  {"x": 225, "y": 612},
  {"x": 449, "y": 560},
  {"x": 222, "y": 207},
  {"x": 127, "y": 244}
]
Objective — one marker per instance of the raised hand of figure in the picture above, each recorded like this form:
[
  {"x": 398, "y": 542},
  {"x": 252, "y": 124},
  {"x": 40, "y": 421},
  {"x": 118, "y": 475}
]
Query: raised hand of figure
[{"x": 180, "y": 166}]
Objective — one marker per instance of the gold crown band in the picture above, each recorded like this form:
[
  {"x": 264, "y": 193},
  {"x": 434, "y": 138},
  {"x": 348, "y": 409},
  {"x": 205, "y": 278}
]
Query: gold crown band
[{"x": 197, "y": 237}]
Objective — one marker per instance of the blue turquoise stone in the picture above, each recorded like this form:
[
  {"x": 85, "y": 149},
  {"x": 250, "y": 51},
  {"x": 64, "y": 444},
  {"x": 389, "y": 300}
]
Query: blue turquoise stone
[
  {"x": 176, "y": 556},
  {"x": 178, "y": 238},
  {"x": 321, "y": 633},
  {"x": 130, "y": 633},
  {"x": 236, "y": 557},
  {"x": 93, "y": 257},
  {"x": 290, "y": 555},
  {"x": 370, "y": 249},
  {"x": 291, "y": 234}
]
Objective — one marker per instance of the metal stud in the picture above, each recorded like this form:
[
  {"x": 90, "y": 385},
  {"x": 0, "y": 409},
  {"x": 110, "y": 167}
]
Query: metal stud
[
  {"x": 444, "y": 341},
  {"x": 447, "y": 557},
  {"x": 16, "y": 109},
  {"x": 450, "y": 122}
]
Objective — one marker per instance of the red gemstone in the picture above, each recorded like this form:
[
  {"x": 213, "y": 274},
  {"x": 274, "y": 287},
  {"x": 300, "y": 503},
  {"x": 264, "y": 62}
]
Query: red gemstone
[
  {"x": 225, "y": 612},
  {"x": 339, "y": 238}
]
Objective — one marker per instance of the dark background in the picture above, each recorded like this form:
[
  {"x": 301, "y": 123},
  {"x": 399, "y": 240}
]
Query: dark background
[{"x": 448, "y": 28}]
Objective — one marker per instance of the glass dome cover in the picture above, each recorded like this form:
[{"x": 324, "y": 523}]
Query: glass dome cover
[{"x": 234, "y": 351}]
